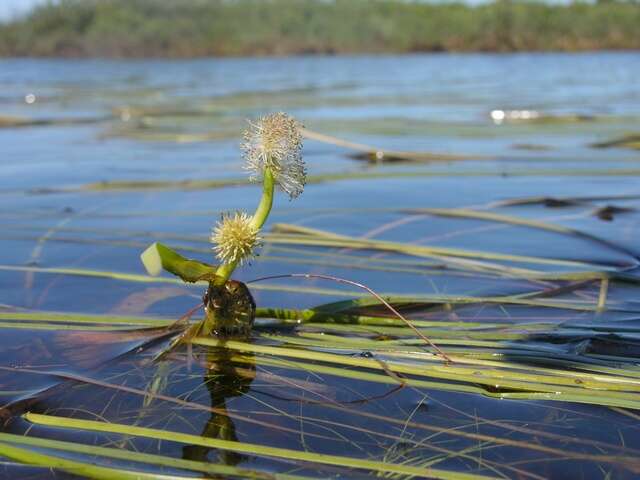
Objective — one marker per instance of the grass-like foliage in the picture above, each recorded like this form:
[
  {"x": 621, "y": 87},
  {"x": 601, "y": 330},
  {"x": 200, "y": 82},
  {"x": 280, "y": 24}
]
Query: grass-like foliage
[{"x": 190, "y": 28}]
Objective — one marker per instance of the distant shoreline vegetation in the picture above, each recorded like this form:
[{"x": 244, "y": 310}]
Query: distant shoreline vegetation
[{"x": 197, "y": 28}]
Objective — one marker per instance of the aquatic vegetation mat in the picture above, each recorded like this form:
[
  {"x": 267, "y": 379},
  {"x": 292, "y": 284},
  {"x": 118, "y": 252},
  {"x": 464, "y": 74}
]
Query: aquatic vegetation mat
[{"x": 546, "y": 349}]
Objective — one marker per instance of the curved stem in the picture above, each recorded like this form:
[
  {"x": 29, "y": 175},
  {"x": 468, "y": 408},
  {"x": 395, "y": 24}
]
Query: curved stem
[
  {"x": 259, "y": 218},
  {"x": 266, "y": 202}
]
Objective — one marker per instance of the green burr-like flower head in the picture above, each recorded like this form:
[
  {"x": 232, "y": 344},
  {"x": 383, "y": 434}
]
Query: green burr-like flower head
[{"x": 235, "y": 238}]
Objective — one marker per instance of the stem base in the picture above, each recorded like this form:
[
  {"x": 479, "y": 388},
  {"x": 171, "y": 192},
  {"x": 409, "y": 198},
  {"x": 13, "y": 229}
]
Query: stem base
[{"x": 229, "y": 310}]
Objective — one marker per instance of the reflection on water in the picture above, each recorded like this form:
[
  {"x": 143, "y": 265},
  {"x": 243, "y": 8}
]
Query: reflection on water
[{"x": 224, "y": 381}]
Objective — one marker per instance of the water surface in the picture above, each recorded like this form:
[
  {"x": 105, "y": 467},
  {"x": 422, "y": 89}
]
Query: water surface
[{"x": 98, "y": 175}]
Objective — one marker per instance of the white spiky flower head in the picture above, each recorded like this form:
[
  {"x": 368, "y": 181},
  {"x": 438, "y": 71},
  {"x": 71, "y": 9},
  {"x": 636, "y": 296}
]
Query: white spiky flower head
[
  {"x": 275, "y": 142},
  {"x": 235, "y": 238}
]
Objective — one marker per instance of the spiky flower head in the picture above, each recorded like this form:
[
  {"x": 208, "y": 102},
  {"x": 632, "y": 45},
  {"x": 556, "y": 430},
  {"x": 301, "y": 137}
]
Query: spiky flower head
[
  {"x": 235, "y": 238},
  {"x": 275, "y": 142}
]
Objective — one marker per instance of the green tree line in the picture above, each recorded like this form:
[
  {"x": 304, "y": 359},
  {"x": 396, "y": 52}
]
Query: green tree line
[{"x": 193, "y": 28}]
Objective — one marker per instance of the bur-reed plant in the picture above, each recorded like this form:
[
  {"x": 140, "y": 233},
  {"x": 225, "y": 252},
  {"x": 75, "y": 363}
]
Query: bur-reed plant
[{"x": 272, "y": 151}]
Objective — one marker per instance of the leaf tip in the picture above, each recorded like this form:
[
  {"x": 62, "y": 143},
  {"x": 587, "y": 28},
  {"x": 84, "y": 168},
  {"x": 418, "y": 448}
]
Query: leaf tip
[{"x": 151, "y": 260}]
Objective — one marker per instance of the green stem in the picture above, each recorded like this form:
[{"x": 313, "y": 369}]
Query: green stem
[
  {"x": 266, "y": 202},
  {"x": 259, "y": 218}
]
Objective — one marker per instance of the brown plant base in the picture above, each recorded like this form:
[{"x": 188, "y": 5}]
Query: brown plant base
[{"x": 229, "y": 310}]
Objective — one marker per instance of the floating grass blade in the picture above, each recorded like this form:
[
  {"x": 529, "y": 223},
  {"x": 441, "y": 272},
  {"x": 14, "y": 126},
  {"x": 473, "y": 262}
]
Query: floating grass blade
[
  {"x": 78, "y": 468},
  {"x": 307, "y": 236},
  {"x": 497, "y": 382},
  {"x": 362, "y": 301},
  {"x": 377, "y": 155},
  {"x": 248, "y": 448},
  {"x": 208, "y": 184},
  {"x": 138, "y": 457},
  {"x": 82, "y": 318}
]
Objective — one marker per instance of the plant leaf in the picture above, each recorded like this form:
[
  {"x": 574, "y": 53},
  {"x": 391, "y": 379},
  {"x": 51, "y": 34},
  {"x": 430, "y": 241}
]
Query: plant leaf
[{"x": 158, "y": 257}]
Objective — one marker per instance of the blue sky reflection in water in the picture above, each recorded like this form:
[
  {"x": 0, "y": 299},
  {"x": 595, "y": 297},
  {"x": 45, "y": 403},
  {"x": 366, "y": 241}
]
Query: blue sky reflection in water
[{"x": 108, "y": 164}]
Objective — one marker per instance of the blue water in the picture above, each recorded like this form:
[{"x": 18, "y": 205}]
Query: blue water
[{"x": 171, "y": 121}]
